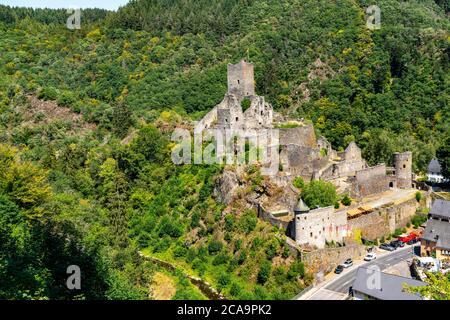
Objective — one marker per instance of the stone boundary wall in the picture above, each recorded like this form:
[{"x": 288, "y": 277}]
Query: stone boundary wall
[
  {"x": 383, "y": 221},
  {"x": 268, "y": 217},
  {"x": 325, "y": 260},
  {"x": 372, "y": 226}
]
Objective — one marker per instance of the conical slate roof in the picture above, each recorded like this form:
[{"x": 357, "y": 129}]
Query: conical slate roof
[
  {"x": 301, "y": 206},
  {"x": 434, "y": 166}
]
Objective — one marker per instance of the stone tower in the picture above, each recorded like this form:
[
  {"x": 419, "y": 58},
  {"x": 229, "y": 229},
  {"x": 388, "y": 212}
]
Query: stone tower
[
  {"x": 241, "y": 79},
  {"x": 403, "y": 169},
  {"x": 300, "y": 213}
]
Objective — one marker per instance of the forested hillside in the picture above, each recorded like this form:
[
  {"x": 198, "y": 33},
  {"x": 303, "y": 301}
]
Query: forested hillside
[{"x": 86, "y": 116}]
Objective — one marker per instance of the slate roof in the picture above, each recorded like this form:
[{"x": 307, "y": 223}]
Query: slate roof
[
  {"x": 434, "y": 166},
  {"x": 301, "y": 206},
  {"x": 391, "y": 286},
  {"x": 440, "y": 208},
  {"x": 438, "y": 231}
]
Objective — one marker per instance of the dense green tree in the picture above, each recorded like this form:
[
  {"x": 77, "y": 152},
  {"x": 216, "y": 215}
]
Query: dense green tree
[{"x": 319, "y": 193}]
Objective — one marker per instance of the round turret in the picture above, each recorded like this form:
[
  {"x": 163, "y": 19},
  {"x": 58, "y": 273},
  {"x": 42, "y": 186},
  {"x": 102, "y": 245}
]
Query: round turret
[{"x": 403, "y": 169}]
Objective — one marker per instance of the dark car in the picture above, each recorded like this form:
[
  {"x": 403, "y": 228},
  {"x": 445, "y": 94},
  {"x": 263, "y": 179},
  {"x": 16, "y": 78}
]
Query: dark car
[
  {"x": 396, "y": 244},
  {"x": 339, "y": 269},
  {"x": 413, "y": 241},
  {"x": 387, "y": 247}
]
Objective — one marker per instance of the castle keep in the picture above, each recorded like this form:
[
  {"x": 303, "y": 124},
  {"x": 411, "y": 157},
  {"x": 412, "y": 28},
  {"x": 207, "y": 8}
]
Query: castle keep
[{"x": 229, "y": 114}]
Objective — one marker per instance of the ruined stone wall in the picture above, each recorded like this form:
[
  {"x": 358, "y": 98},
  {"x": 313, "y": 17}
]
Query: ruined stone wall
[
  {"x": 268, "y": 217},
  {"x": 207, "y": 121},
  {"x": 301, "y": 136},
  {"x": 370, "y": 181},
  {"x": 259, "y": 115},
  {"x": 323, "y": 143},
  {"x": 300, "y": 155},
  {"x": 402, "y": 213},
  {"x": 298, "y": 161},
  {"x": 229, "y": 114}
]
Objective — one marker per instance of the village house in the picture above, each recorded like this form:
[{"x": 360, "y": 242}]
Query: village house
[
  {"x": 436, "y": 237},
  {"x": 373, "y": 284},
  {"x": 434, "y": 173}
]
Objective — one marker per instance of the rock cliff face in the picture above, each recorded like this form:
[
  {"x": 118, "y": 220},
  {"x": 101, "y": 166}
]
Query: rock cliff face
[{"x": 225, "y": 187}]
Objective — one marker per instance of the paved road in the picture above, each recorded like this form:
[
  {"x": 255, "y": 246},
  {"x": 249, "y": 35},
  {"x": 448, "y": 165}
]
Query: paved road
[{"x": 340, "y": 286}]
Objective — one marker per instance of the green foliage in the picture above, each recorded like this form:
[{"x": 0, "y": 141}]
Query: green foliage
[
  {"x": 443, "y": 154},
  {"x": 264, "y": 272},
  {"x": 418, "y": 196},
  {"x": 418, "y": 219},
  {"x": 296, "y": 270},
  {"x": 247, "y": 221},
  {"x": 299, "y": 183},
  {"x": 438, "y": 287},
  {"x": 214, "y": 246},
  {"x": 346, "y": 201},
  {"x": 245, "y": 104},
  {"x": 387, "y": 90},
  {"x": 319, "y": 193}
]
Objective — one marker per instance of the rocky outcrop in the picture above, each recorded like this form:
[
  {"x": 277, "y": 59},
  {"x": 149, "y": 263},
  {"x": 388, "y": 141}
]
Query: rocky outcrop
[{"x": 225, "y": 187}]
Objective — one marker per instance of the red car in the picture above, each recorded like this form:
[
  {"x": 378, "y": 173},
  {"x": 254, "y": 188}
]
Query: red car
[{"x": 409, "y": 238}]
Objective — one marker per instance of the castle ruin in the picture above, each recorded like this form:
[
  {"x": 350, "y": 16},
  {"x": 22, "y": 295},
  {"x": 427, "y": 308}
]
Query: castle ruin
[{"x": 303, "y": 154}]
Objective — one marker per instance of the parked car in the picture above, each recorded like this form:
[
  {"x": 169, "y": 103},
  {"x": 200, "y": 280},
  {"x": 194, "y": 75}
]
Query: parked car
[
  {"x": 407, "y": 238},
  {"x": 387, "y": 247},
  {"x": 339, "y": 269},
  {"x": 397, "y": 244},
  {"x": 348, "y": 263},
  {"x": 370, "y": 257},
  {"x": 413, "y": 241}
]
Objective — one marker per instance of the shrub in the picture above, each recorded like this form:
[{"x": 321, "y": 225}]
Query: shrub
[
  {"x": 242, "y": 257},
  {"x": 223, "y": 280},
  {"x": 418, "y": 196},
  {"x": 245, "y": 104},
  {"x": 418, "y": 219},
  {"x": 299, "y": 183},
  {"x": 264, "y": 272},
  {"x": 319, "y": 193},
  {"x": 179, "y": 252},
  {"x": 221, "y": 258},
  {"x": 297, "y": 269},
  {"x": 170, "y": 228},
  {"x": 47, "y": 93},
  {"x": 214, "y": 246},
  {"x": 286, "y": 252},
  {"x": 229, "y": 222},
  {"x": 195, "y": 220},
  {"x": 235, "y": 289},
  {"x": 248, "y": 221},
  {"x": 346, "y": 201},
  {"x": 272, "y": 249}
]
